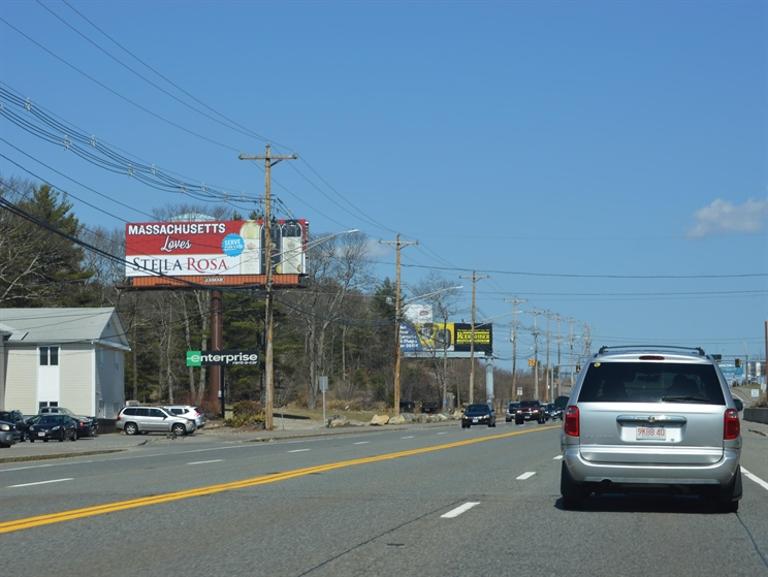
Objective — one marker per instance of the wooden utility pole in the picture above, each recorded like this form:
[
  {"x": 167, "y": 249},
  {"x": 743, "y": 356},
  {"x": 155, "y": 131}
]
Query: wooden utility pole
[
  {"x": 514, "y": 301},
  {"x": 269, "y": 383},
  {"x": 398, "y": 244},
  {"x": 474, "y": 278}
]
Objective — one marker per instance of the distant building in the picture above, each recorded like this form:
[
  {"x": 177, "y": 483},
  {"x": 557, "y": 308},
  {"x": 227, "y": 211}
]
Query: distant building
[{"x": 68, "y": 357}]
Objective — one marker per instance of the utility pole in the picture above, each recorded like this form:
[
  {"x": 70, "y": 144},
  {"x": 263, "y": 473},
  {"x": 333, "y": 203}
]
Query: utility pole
[
  {"x": 570, "y": 349},
  {"x": 475, "y": 277},
  {"x": 558, "y": 318},
  {"x": 514, "y": 301},
  {"x": 535, "y": 332},
  {"x": 398, "y": 244},
  {"x": 269, "y": 375},
  {"x": 548, "y": 368}
]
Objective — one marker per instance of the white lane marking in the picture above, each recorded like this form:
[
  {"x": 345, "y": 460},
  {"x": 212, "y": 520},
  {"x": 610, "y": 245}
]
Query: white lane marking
[
  {"x": 299, "y": 450},
  {"x": 25, "y": 468},
  {"x": 442, "y": 433},
  {"x": 361, "y": 443},
  {"x": 526, "y": 475},
  {"x": 557, "y": 457},
  {"x": 755, "y": 478},
  {"x": 40, "y": 483},
  {"x": 408, "y": 437},
  {"x": 205, "y": 462},
  {"x": 459, "y": 510}
]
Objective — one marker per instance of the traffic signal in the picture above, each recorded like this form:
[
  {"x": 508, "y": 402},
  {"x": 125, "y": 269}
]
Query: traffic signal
[{"x": 737, "y": 362}]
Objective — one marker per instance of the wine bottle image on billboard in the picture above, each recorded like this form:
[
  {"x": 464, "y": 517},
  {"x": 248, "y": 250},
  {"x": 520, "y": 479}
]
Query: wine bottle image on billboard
[{"x": 250, "y": 258}]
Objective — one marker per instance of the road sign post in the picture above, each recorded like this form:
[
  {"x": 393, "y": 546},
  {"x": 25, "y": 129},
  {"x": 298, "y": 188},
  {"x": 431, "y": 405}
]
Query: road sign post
[{"x": 323, "y": 389}]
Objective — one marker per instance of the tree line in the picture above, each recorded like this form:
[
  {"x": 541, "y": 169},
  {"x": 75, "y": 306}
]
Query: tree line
[{"x": 342, "y": 325}]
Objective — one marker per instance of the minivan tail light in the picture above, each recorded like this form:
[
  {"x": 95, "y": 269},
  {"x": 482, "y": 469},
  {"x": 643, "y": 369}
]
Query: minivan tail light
[
  {"x": 571, "y": 425},
  {"x": 731, "y": 425}
]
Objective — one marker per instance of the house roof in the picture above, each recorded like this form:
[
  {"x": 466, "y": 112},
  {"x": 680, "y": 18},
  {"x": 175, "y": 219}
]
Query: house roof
[{"x": 64, "y": 325}]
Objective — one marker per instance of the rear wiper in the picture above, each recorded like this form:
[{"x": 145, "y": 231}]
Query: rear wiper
[{"x": 684, "y": 399}]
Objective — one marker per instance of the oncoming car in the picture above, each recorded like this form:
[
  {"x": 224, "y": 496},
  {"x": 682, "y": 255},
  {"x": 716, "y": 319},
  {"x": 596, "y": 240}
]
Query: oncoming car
[
  {"x": 641, "y": 417},
  {"x": 478, "y": 414}
]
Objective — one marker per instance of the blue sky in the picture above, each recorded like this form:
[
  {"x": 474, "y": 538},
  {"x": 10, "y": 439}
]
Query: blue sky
[{"x": 599, "y": 139}]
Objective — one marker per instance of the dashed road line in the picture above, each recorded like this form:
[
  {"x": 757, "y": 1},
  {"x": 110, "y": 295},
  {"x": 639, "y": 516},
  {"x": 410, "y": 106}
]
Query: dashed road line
[
  {"x": 526, "y": 475},
  {"x": 755, "y": 478},
  {"x": 361, "y": 443},
  {"x": 299, "y": 450},
  {"x": 557, "y": 458},
  {"x": 459, "y": 510},
  {"x": 40, "y": 483},
  {"x": 408, "y": 437},
  {"x": 205, "y": 462}
]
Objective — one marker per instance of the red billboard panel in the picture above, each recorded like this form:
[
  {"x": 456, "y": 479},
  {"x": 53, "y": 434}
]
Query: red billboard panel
[{"x": 212, "y": 252}]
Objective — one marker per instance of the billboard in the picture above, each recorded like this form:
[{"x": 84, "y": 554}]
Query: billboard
[
  {"x": 451, "y": 338},
  {"x": 224, "y": 253}
]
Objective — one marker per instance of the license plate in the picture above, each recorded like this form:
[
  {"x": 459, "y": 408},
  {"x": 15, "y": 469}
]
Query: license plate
[
  {"x": 475, "y": 420},
  {"x": 651, "y": 434},
  {"x": 41, "y": 434}
]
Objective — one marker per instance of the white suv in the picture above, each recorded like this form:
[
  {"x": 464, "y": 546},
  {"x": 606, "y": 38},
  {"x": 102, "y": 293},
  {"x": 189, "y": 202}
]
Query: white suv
[
  {"x": 134, "y": 420},
  {"x": 188, "y": 412}
]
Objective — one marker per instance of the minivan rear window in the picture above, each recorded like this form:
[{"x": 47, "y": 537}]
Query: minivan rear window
[{"x": 651, "y": 383}]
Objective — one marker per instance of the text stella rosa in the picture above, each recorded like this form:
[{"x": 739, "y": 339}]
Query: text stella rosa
[{"x": 175, "y": 265}]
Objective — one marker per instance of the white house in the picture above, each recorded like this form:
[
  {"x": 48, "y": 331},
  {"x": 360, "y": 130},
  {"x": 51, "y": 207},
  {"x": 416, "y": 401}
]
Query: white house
[{"x": 68, "y": 357}]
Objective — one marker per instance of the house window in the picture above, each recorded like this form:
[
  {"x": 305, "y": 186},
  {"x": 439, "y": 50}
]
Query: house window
[{"x": 49, "y": 356}]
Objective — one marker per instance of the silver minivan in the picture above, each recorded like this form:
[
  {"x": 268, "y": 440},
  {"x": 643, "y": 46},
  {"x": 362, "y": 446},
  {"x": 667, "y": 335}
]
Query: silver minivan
[
  {"x": 650, "y": 416},
  {"x": 134, "y": 420}
]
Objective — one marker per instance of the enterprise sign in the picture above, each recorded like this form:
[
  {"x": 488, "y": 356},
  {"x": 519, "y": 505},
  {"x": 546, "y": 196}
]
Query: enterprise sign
[{"x": 226, "y": 358}]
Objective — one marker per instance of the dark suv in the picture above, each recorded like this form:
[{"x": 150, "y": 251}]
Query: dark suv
[{"x": 530, "y": 411}]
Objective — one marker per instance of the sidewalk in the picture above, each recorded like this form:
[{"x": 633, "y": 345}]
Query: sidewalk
[{"x": 212, "y": 433}]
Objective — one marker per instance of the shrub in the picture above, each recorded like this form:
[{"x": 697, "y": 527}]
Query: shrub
[{"x": 247, "y": 414}]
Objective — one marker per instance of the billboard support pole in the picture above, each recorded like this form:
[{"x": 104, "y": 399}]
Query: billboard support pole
[
  {"x": 269, "y": 161},
  {"x": 217, "y": 343}
]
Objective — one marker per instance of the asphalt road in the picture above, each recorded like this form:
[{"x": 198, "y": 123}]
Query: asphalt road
[{"x": 428, "y": 501}]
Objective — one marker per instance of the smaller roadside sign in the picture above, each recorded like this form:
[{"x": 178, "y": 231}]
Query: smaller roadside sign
[{"x": 224, "y": 358}]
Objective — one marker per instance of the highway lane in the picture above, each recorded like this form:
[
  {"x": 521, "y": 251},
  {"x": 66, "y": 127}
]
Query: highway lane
[{"x": 386, "y": 517}]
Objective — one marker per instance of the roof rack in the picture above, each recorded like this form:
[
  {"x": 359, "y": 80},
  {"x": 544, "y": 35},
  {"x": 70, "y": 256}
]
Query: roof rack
[{"x": 697, "y": 350}]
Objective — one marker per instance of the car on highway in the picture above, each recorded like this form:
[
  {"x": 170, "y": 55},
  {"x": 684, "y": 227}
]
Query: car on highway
[
  {"x": 17, "y": 420},
  {"x": 530, "y": 411},
  {"x": 553, "y": 412},
  {"x": 86, "y": 426},
  {"x": 478, "y": 414},
  {"x": 649, "y": 417},
  {"x": 8, "y": 434},
  {"x": 141, "y": 420},
  {"x": 188, "y": 412},
  {"x": 512, "y": 409},
  {"x": 53, "y": 427}
]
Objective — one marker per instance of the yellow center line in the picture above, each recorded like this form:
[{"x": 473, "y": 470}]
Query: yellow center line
[{"x": 92, "y": 511}]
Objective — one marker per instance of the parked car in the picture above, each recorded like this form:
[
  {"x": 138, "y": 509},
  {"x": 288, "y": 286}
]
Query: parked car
[
  {"x": 17, "y": 420},
  {"x": 188, "y": 412},
  {"x": 478, "y": 414},
  {"x": 667, "y": 411},
  {"x": 86, "y": 426},
  {"x": 8, "y": 434},
  {"x": 512, "y": 410},
  {"x": 530, "y": 411},
  {"x": 56, "y": 427},
  {"x": 142, "y": 420},
  {"x": 430, "y": 407}
]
